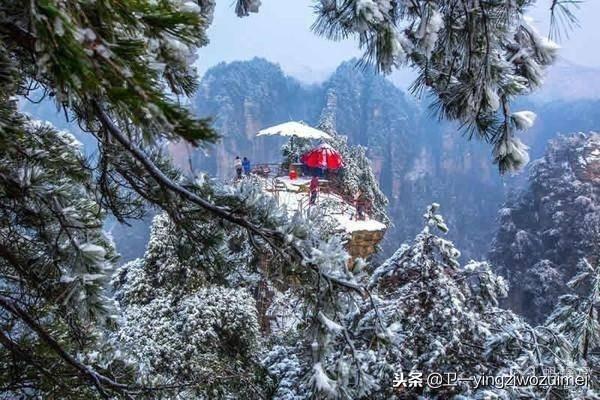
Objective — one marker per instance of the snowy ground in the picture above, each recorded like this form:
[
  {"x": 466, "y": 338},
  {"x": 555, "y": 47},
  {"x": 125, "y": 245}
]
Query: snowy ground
[
  {"x": 294, "y": 184},
  {"x": 352, "y": 225},
  {"x": 295, "y": 199}
]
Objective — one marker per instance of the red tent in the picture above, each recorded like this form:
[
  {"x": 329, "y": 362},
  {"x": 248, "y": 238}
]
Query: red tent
[{"x": 323, "y": 156}]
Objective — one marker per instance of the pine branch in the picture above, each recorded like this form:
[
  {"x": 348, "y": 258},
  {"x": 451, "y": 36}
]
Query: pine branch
[
  {"x": 98, "y": 380},
  {"x": 562, "y": 17},
  {"x": 167, "y": 183},
  {"x": 23, "y": 355}
]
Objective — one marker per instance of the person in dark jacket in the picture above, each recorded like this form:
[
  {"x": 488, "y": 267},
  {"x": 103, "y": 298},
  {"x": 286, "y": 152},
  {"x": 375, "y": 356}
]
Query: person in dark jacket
[
  {"x": 313, "y": 189},
  {"x": 246, "y": 166},
  {"x": 361, "y": 205}
]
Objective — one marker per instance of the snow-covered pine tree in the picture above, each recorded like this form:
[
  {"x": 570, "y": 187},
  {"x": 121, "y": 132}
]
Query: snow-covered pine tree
[
  {"x": 521, "y": 350},
  {"x": 547, "y": 228},
  {"x": 179, "y": 320},
  {"x": 106, "y": 69},
  {"x": 442, "y": 317},
  {"x": 54, "y": 263},
  {"x": 474, "y": 57},
  {"x": 293, "y": 149},
  {"x": 425, "y": 313},
  {"x": 437, "y": 314},
  {"x": 566, "y": 345},
  {"x": 578, "y": 316}
]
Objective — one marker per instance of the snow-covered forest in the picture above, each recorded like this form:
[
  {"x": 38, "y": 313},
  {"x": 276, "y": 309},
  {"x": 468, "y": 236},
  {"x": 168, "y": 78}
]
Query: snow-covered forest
[{"x": 455, "y": 255}]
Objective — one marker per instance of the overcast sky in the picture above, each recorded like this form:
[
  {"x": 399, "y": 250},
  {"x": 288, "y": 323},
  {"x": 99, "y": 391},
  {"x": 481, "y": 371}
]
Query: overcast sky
[{"x": 281, "y": 33}]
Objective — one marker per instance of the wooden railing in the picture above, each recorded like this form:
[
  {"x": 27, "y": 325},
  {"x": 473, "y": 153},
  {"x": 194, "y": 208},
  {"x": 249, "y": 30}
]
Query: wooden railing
[
  {"x": 268, "y": 170},
  {"x": 332, "y": 186}
]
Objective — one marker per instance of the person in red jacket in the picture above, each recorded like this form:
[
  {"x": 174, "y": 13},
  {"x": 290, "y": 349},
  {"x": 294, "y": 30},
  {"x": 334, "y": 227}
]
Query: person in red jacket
[{"x": 314, "y": 190}]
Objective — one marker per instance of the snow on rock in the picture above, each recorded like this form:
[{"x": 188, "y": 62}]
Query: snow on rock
[
  {"x": 351, "y": 225},
  {"x": 293, "y": 184},
  {"x": 295, "y": 198},
  {"x": 363, "y": 235}
]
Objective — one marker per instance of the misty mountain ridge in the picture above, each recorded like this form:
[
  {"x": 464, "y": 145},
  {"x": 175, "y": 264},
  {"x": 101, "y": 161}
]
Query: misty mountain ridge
[
  {"x": 567, "y": 81},
  {"x": 564, "y": 81}
]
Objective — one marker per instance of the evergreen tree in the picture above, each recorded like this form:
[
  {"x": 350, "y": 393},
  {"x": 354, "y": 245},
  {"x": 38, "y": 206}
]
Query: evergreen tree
[
  {"x": 474, "y": 57},
  {"x": 438, "y": 314},
  {"x": 110, "y": 66},
  {"x": 577, "y": 316},
  {"x": 54, "y": 264},
  {"x": 547, "y": 228},
  {"x": 425, "y": 314},
  {"x": 293, "y": 149},
  {"x": 179, "y": 320}
]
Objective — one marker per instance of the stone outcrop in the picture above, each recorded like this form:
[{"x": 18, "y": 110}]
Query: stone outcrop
[{"x": 364, "y": 243}]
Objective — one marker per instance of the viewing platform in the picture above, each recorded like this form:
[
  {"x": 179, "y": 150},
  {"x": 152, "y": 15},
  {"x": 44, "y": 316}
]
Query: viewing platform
[
  {"x": 293, "y": 194},
  {"x": 348, "y": 209}
]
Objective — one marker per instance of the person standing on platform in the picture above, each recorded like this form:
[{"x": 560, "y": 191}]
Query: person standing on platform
[
  {"x": 246, "y": 166},
  {"x": 361, "y": 205},
  {"x": 237, "y": 164},
  {"x": 314, "y": 190}
]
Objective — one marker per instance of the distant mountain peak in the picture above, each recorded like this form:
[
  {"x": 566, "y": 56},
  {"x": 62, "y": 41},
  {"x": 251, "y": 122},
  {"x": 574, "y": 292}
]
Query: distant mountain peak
[{"x": 566, "y": 80}]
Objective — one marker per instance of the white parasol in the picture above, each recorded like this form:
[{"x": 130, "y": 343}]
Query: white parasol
[{"x": 294, "y": 128}]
